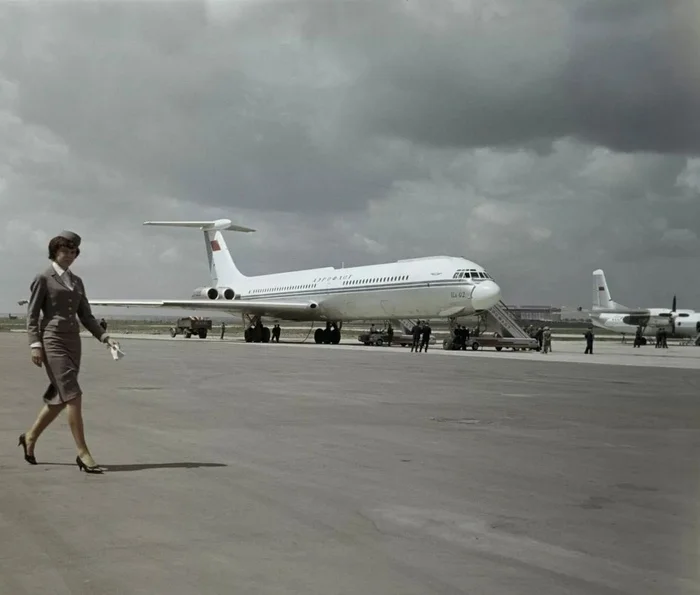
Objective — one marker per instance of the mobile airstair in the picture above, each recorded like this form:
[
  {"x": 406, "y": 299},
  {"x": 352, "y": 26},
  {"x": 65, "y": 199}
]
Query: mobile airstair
[{"x": 501, "y": 313}]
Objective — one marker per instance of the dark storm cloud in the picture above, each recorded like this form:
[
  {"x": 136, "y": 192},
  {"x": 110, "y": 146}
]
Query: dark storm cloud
[
  {"x": 177, "y": 101},
  {"x": 623, "y": 74}
]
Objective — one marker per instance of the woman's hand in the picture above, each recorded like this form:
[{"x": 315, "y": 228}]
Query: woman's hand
[
  {"x": 37, "y": 356},
  {"x": 111, "y": 342}
]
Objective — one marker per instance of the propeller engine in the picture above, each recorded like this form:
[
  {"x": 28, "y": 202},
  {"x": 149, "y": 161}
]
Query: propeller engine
[
  {"x": 669, "y": 318},
  {"x": 672, "y": 316}
]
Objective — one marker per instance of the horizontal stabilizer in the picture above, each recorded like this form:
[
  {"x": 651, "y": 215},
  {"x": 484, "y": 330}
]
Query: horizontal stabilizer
[{"x": 216, "y": 225}]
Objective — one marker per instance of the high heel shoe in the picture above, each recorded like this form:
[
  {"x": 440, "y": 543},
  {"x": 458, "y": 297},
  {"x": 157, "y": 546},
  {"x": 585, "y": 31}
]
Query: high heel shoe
[
  {"x": 31, "y": 459},
  {"x": 83, "y": 467}
]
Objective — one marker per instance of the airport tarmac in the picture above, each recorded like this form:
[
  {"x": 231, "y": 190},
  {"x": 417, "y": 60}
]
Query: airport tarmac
[
  {"x": 251, "y": 468},
  {"x": 613, "y": 353}
]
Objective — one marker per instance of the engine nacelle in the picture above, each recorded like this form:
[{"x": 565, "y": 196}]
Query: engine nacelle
[
  {"x": 214, "y": 293},
  {"x": 210, "y": 293}
]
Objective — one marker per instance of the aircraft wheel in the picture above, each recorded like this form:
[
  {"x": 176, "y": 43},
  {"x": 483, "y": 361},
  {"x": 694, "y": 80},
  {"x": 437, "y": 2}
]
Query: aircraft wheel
[
  {"x": 318, "y": 336},
  {"x": 265, "y": 335},
  {"x": 335, "y": 336},
  {"x": 248, "y": 335},
  {"x": 327, "y": 336}
]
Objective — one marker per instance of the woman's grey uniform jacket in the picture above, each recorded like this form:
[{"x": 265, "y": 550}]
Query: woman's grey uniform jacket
[{"x": 59, "y": 331}]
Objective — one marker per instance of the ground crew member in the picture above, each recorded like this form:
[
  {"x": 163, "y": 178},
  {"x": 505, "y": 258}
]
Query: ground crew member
[
  {"x": 638, "y": 337},
  {"x": 457, "y": 337},
  {"x": 547, "y": 339},
  {"x": 416, "y": 332},
  {"x": 426, "y": 337},
  {"x": 538, "y": 336},
  {"x": 276, "y": 332},
  {"x": 589, "y": 340},
  {"x": 390, "y": 334},
  {"x": 223, "y": 330}
]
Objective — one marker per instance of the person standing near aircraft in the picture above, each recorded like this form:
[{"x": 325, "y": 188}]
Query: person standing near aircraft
[
  {"x": 425, "y": 333},
  {"x": 638, "y": 336},
  {"x": 223, "y": 330},
  {"x": 547, "y": 339},
  {"x": 55, "y": 343},
  {"x": 589, "y": 340},
  {"x": 416, "y": 332}
]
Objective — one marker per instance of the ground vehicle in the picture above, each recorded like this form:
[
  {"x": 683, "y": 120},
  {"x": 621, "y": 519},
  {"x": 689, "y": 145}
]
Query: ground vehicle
[
  {"x": 191, "y": 325},
  {"x": 496, "y": 341},
  {"x": 376, "y": 338},
  {"x": 382, "y": 337}
]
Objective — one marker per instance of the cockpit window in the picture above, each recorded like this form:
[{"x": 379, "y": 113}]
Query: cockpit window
[{"x": 471, "y": 274}]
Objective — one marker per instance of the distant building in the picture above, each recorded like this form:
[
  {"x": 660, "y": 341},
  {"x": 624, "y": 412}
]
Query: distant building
[{"x": 536, "y": 313}]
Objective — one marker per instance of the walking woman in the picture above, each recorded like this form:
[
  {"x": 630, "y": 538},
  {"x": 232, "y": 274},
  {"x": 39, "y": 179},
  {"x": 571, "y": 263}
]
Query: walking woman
[{"x": 55, "y": 343}]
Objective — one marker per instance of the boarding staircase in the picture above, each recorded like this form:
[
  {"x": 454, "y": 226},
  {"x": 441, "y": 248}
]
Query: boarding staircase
[
  {"x": 407, "y": 326},
  {"x": 501, "y": 313}
]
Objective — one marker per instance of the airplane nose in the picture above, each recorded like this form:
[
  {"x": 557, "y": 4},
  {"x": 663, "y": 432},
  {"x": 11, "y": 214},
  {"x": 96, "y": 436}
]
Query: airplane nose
[{"x": 486, "y": 295}]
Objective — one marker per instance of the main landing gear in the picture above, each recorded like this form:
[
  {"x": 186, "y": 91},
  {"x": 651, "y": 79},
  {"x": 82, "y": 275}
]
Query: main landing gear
[
  {"x": 329, "y": 335},
  {"x": 255, "y": 332}
]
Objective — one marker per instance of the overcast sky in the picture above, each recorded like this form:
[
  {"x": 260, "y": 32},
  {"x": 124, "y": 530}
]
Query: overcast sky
[{"x": 542, "y": 139}]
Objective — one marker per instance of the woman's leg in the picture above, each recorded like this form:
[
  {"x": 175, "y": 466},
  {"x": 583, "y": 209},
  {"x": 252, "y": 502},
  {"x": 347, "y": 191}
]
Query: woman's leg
[
  {"x": 75, "y": 421},
  {"x": 47, "y": 414}
]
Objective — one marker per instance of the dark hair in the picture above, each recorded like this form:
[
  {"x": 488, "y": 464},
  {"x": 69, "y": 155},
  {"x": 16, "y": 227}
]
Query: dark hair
[{"x": 59, "y": 242}]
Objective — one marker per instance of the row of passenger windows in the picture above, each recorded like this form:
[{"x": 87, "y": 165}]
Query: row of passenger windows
[
  {"x": 287, "y": 288},
  {"x": 345, "y": 283},
  {"x": 378, "y": 280},
  {"x": 471, "y": 274}
]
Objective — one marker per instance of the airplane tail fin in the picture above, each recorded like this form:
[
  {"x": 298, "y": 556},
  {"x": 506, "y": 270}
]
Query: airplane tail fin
[
  {"x": 222, "y": 269},
  {"x": 602, "y": 300}
]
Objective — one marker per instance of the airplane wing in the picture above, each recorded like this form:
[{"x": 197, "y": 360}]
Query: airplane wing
[
  {"x": 256, "y": 307},
  {"x": 630, "y": 312}
]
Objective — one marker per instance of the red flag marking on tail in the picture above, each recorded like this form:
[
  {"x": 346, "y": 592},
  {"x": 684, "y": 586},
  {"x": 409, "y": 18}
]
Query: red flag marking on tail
[
  {"x": 215, "y": 246},
  {"x": 601, "y": 288}
]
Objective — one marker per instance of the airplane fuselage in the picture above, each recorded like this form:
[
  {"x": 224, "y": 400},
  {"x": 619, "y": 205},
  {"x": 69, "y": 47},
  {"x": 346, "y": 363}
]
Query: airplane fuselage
[
  {"x": 430, "y": 287},
  {"x": 685, "y": 324}
]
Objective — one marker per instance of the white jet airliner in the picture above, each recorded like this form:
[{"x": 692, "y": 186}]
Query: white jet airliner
[
  {"x": 610, "y": 315},
  {"x": 424, "y": 288}
]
